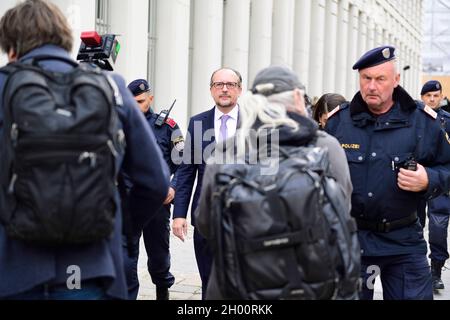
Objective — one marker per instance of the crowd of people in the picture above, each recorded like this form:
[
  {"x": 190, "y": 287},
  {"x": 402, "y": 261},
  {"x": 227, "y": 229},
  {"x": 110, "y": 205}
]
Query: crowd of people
[{"x": 389, "y": 156}]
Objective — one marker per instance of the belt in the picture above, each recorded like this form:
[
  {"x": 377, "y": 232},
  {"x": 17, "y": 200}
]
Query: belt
[{"x": 385, "y": 226}]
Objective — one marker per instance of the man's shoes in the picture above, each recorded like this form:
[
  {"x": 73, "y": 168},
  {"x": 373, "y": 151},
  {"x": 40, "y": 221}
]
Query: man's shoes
[{"x": 162, "y": 293}]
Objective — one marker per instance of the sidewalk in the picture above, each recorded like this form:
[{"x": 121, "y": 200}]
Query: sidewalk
[{"x": 187, "y": 280}]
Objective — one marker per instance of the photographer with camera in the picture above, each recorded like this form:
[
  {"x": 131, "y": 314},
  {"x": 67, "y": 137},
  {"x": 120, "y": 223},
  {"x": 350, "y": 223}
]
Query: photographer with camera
[
  {"x": 398, "y": 155},
  {"x": 71, "y": 129}
]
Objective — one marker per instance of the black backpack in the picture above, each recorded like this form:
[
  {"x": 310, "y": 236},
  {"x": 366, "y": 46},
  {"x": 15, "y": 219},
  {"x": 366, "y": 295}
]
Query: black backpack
[
  {"x": 284, "y": 236},
  {"x": 61, "y": 137}
]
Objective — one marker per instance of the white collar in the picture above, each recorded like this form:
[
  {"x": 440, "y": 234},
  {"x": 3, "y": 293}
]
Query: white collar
[{"x": 233, "y": 113}]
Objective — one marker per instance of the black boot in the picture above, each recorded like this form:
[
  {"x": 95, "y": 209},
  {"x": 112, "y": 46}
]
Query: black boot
[
  {"x": 436, "y": 267},
  {"x": 162, "y": 293}
]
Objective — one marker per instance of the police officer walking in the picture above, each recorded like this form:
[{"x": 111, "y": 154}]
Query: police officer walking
[
  {"x": 398, "y": 155},
  {"x": 438, "y": 208},
  {"x": 156, "y": 231}
]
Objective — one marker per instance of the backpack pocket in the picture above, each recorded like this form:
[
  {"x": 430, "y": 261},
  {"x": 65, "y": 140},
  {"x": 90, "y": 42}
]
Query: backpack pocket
[{"x": 63, "y": 196}]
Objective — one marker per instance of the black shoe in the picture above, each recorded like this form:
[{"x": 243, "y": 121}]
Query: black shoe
[
  {"x": 162, "y": 293},
  {"x": 437, "y": 284},
  {"x": 436, "y": 267}
]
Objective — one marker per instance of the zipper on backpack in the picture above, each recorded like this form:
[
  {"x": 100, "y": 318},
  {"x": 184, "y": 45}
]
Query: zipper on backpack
[
  {"x": 112, "y": 149},
  {"x": 88, "y": 155},
  {"x": 14, "y": 133},
  {"x": 12, "y": 183}
]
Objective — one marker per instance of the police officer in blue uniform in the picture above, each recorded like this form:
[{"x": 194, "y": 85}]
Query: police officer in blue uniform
[
  {"x": 157, "y": 231},
  {"x": 398, "y": 155},
  {"x": 438, "y": 208}
]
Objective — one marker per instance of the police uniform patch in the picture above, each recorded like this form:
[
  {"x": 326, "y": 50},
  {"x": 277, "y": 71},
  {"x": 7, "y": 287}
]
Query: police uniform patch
[
  {"x": 178, "y": 143},
  {"x": 351, "y": 146},
  {"x": 334, "y": 111},
  {"x": 171, "y": 122},
  {"x": 430, "y": 112}
]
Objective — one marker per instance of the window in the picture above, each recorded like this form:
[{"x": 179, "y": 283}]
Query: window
[{"x": 102, "y": 16}]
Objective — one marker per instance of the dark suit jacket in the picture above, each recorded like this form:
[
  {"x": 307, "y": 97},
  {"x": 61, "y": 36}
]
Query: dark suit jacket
[{"x": 194, "y": 162}]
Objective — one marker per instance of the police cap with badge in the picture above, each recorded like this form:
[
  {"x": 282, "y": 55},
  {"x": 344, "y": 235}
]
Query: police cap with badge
[
  {"x": 138, "y": 87},
  {"x": 371, "y": 58},
  {"x": 431, "y": 86},
  {"x": 375, "y": 57}
]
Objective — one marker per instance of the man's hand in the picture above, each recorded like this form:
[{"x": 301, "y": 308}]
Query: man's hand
[
  {"x": 170, "y": 196},
  {"x": 414, "y": 181},
  {"x": 179, "y": 228}
]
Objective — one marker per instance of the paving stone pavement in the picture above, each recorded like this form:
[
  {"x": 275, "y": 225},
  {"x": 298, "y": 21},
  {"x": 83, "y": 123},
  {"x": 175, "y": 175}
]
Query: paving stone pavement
[{"x": 187, "y": 280}]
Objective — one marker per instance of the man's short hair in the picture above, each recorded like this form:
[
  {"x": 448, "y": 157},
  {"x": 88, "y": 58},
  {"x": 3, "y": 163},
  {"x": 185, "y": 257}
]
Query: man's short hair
[{"x": 32, "y": 24}]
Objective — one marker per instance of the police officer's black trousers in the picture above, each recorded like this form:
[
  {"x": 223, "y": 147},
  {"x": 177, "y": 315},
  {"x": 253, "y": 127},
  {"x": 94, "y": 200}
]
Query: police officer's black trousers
[
  {"x": 157, "y": 247},
  {"x": 438, "y": 218},
  {"x": 403, "y": 277},
  {"x": 156, "y": 239}
]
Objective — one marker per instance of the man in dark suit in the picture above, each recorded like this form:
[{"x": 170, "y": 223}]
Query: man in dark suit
[{"x": 215, "y": 125}]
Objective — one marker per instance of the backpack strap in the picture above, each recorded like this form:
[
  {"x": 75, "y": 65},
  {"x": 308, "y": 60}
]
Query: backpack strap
[{"x": 9, "y": 68}]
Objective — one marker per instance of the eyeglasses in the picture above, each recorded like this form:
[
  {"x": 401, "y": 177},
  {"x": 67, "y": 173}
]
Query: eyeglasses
[{"x": 220, "y": 85}]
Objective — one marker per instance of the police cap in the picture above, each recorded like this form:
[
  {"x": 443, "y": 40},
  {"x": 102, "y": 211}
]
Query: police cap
[
  {"x": 275, "y": 79},
  {"x": 138, "y": 87},
  {"x": 375, "y": 57},
  {"x": 430, "y": 86}
]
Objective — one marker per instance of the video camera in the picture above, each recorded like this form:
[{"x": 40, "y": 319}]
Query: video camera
[{"x": 100, "y": 50}]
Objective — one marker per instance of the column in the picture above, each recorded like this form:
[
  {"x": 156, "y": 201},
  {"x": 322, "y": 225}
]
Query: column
[
  {"x": 351, "y": 84},
  {"x": 172, "y": 57},
  {"x": 329, "y": 70},
  {"x": 342, "y": 48},
  {"x": 260, "y": 37},
  {"x": 236, "y": 36},
  {"x": 283, "y": 32},
  {"x": 131, "y": 23},
  {"x": 370, "y": 40},
  {"x": 302, "y": 34},
  {"x": 206, "y": 52},
  {"x": 418, "y": 72},
  {"x": 362, "y": 34},
  {"x": 317, "y": 46},
  {"x": 378, "y": 35},
  {"x": 386, "y": 37}
]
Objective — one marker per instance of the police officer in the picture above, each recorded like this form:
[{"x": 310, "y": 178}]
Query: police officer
[
  {"x": 398, "y": 155},
  {"x": 438, "y": 208},
  {"x": 156, "y": 232}
]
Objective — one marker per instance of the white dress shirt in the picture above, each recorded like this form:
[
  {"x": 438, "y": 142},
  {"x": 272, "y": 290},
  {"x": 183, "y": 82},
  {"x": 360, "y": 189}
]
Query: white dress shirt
[{"x": 231, "y": 122}]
